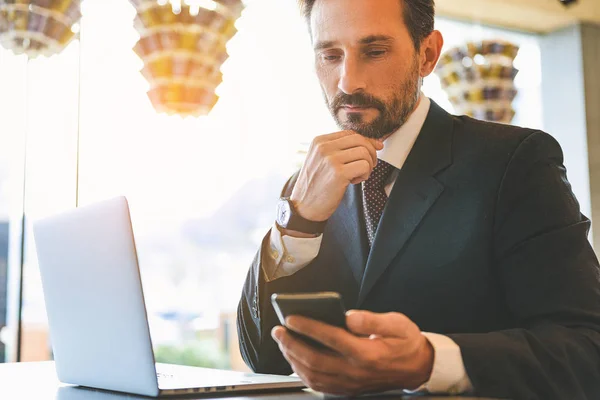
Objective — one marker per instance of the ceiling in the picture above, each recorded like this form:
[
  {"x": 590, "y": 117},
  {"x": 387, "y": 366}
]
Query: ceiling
[{"x": 538, "y": 16}]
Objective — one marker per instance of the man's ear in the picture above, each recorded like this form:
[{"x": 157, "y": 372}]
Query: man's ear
[{"x": 431, "y": 49}]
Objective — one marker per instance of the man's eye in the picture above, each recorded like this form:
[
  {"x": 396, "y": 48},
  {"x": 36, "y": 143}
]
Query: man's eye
[
  {"x": 329, "y": 58},
  {"x": 376, "y": 53}
]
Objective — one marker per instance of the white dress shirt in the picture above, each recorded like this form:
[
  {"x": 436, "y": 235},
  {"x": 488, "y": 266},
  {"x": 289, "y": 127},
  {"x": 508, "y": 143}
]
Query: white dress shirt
[{"x": 288, "y": 254}]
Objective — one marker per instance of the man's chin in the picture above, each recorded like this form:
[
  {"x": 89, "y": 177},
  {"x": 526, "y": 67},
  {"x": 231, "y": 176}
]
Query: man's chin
[
  {"x": 356, "y": 126},
  {"x": 352, "y": 127},
  {"x": 371, "y": 131},
  {"x": 362, "y": 129}
]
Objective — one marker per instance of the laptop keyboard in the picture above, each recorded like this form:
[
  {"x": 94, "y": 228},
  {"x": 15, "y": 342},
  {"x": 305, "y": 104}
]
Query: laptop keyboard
[
  {"x": 211, "y": 380},
  {"x": 163, "y": 377}
]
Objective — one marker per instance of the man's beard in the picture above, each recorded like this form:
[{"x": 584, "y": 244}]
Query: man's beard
[{"x": 392, "y": 114}]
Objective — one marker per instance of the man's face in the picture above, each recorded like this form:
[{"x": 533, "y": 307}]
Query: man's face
[{"x": 366, "y": 63}]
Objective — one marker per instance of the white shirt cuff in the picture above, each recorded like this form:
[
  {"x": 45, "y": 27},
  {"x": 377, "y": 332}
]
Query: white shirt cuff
[
  {"x": 449, "y": 375},
  {"x": 287, "y": 255}
]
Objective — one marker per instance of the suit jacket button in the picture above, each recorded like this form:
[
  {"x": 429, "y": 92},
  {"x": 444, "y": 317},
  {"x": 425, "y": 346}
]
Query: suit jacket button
[{"x": 254, "y": 308}]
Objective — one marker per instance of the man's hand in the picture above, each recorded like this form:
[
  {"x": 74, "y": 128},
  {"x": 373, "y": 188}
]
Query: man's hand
[
  {"x": 383, "y": 352},
  {"x": 333, "y": 162}
]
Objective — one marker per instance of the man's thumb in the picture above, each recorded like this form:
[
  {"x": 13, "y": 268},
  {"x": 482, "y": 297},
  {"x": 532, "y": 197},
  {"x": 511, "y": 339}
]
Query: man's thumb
[{"x": 366, "y": 323}]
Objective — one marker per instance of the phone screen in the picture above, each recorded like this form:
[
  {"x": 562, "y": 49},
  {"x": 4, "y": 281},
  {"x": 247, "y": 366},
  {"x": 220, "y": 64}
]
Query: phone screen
[{"x": 326, "y": 307}]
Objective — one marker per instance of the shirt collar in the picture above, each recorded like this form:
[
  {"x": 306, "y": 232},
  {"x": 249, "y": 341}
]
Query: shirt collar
[{"x": 399, "y": 144}]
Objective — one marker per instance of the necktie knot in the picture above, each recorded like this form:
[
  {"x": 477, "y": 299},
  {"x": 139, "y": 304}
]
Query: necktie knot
[{"x": 379, "y": 176}]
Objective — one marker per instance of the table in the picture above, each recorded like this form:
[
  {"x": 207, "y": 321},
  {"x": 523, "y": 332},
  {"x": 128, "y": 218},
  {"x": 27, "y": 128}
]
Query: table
[{"x": 26, "y": 381}]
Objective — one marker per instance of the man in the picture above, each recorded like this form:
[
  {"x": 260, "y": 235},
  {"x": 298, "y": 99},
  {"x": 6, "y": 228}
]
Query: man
[{"x": 459, "y": 240}]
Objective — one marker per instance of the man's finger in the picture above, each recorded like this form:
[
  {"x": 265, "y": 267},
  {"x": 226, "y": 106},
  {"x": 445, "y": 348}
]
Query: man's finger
[
  {"x": 366, "y": 323},
  {"x": 377, "y": 143},
  {"x": 355, "y": 140},
  {"x": 325, "y": 383},
  {"x": 333, "y": 136},
  {"x": 312, "y": 359},
  {"x": 356, "y": 169},
  {"x": 321, "y": 361},
  {"x": 355, "y": 154},
  {"x": 335, "y": 338},
  {"x": 277, "y": 332},
  {"x": 315, "y": 360},
  {"x": 360, "y": 179}
]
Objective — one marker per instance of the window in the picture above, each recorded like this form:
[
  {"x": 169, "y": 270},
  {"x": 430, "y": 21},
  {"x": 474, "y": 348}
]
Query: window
[
  {"x": 39, "y": 118},
  {"x": 202, "y": 191}
]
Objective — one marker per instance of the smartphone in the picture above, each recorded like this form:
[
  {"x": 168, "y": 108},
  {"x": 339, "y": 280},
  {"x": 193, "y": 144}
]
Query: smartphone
[{"x": 326, "y": 307}]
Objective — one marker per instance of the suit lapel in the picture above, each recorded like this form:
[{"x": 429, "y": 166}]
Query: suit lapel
[
  {"x": 414, "y": 193},
  {"x": 350, "y": 232}
]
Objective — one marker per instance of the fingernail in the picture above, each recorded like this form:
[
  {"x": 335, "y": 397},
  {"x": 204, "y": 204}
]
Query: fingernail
[
  {"x": 276, "y": 333},
  {"x": 289, "y": 322},
  {"x": 355, "y": 316}
]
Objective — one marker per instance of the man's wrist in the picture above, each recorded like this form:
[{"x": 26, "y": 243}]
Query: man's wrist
[
  {"x": 294, "y": 223},
  {"x": 301, "y": 235},
  {"x": 306, "y": 212},
  {"x": 425, "y": 364},
  {"x": 448, "y": 374}
]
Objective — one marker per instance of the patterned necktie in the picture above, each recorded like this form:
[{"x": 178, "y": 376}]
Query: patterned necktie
[{"x": 374, "y": 197}]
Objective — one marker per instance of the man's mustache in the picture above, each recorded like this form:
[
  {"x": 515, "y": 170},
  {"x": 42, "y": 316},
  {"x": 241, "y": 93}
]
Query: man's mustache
[{"x": 356, "y": 100}]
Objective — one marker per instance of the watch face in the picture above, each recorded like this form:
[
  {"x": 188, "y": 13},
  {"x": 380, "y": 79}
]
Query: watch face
[{"x": 284, "y": 213}]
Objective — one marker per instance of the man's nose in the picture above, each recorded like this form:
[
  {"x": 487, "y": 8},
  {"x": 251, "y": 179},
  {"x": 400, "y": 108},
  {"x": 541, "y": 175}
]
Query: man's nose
[{"x": 351, "y": 79}]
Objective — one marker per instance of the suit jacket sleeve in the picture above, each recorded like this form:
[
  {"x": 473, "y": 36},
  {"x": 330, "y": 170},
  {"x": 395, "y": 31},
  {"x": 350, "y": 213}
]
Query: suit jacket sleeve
[
  {"x": 550, "y": 277},
  {"x": 255, "y": 315}
]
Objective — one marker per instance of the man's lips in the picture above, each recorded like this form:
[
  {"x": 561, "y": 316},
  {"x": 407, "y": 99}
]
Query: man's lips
[{"x": 355, "y": 108}]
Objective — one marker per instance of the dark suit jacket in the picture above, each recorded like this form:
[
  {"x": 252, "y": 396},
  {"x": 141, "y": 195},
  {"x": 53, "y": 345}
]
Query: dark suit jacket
[{"x": 482, "y": 240}]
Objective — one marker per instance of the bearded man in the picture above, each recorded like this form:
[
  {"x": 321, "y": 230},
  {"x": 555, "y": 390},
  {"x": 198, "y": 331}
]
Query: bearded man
[{"x": 458, "y": 244}]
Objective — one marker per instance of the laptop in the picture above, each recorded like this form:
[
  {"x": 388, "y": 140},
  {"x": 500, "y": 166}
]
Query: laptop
[{"x": 97, "y": 315}]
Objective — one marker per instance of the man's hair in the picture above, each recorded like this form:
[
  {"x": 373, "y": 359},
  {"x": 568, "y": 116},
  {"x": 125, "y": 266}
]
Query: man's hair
[{"x": 419, "y": 17}]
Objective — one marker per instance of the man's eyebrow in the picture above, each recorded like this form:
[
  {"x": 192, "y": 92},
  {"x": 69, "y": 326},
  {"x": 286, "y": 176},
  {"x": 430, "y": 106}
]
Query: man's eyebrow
[
  {"x": 366, "y": 40},
  {"x": 324, "y": 45},
  {"x": 376, "y": 38}
]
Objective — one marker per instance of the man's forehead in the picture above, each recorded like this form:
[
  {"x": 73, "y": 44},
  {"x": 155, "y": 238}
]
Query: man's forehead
[{"x": 355, "y": 21}]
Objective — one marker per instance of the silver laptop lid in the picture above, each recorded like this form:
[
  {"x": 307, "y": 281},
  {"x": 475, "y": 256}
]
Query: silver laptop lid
[{"x": 94, "y": 299}]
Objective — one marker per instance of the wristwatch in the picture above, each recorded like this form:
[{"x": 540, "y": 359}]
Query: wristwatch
[{"x": 288, "y": 218}]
